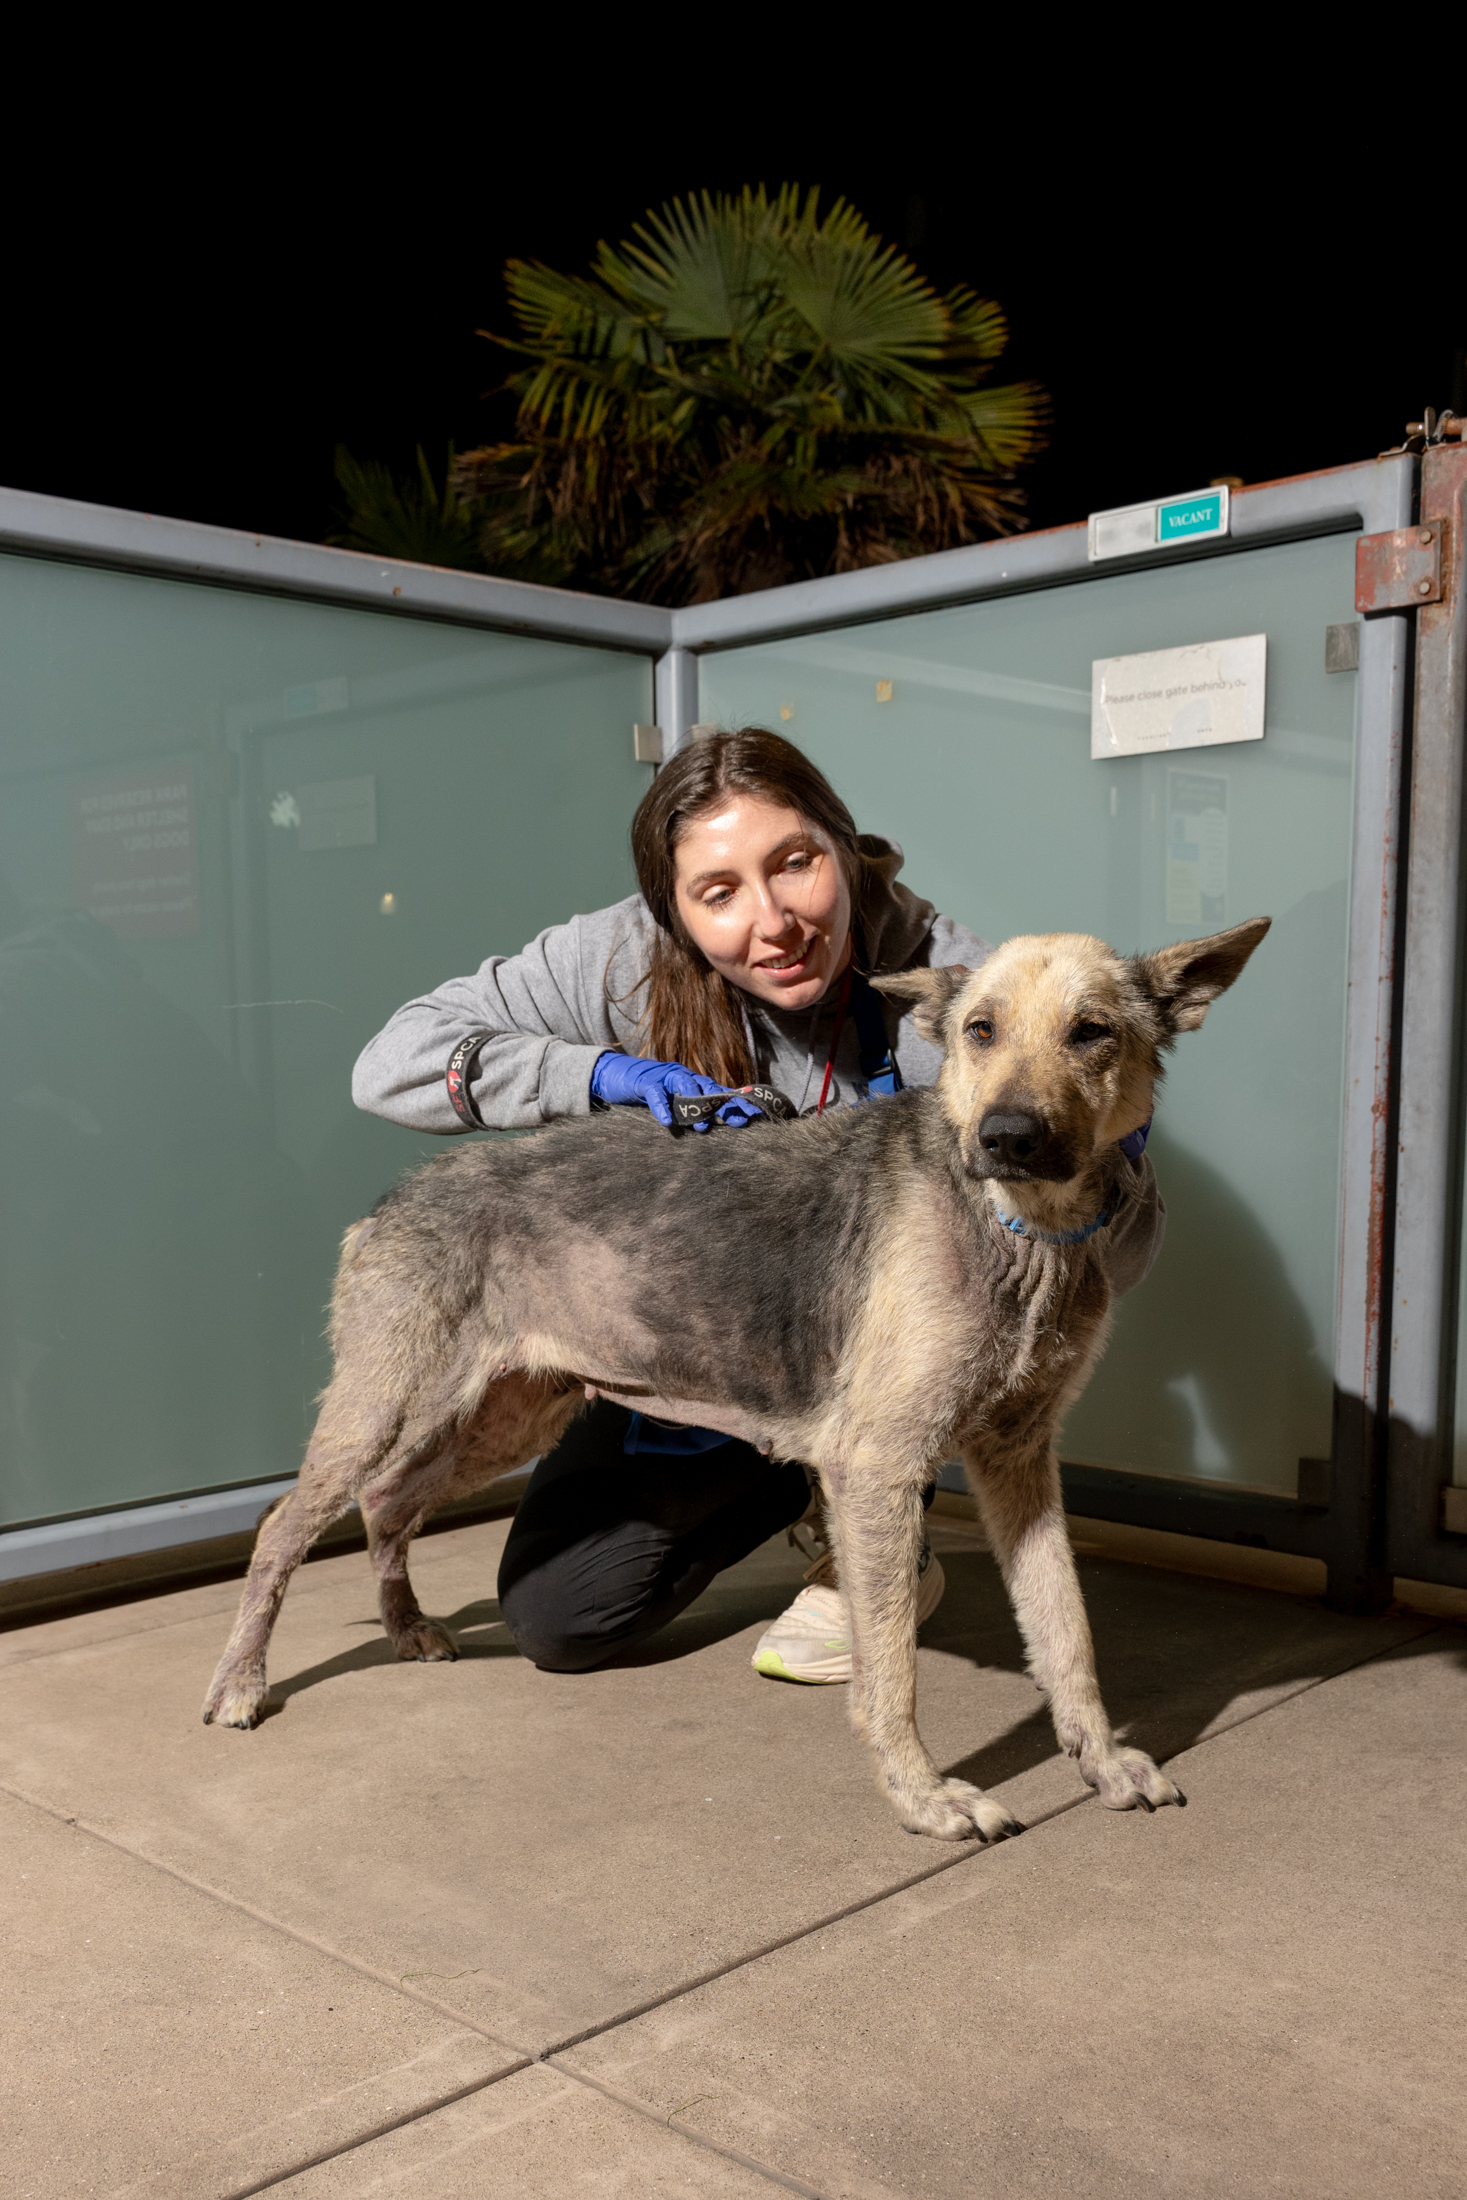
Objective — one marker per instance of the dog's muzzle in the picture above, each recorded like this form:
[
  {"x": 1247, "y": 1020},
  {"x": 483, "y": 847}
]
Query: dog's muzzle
[{"x": 1014, "y": 1142}]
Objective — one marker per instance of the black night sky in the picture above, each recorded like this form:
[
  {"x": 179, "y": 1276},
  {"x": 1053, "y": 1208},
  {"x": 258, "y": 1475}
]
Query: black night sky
[{"x": 210, "y": 285}]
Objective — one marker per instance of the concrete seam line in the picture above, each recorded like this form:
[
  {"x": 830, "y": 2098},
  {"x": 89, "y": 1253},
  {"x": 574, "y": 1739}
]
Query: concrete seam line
[
  {"x": 263, "y": 1917},
  {"x": 654, "y": 2116},
  {"x": 376, "y": 2131},
  {"x": 966, "y": 1855}
]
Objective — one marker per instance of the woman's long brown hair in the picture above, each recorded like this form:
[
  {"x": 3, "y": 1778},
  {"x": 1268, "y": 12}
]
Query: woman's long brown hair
[{"x": 691, "y": 1014}]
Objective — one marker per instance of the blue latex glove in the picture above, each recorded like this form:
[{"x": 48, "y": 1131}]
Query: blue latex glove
[
  {"x": 631, "y": 1080},
  {"x": 1133, "y": 1145},
  {"x": 739, "y": 1111}
]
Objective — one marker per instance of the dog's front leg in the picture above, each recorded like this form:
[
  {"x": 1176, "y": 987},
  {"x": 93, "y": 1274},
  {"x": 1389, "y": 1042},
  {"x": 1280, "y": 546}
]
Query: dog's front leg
[
  {"x": 1020, "y": 1500},
  {"x": 878, "y": 1526}
]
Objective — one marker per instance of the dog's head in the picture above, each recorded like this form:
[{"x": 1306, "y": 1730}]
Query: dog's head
[{"x": 1052, "y": 1047}]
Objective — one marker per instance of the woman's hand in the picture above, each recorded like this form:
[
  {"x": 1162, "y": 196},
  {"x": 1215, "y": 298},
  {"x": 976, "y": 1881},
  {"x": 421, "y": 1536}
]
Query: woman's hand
[{"x": 632, "y": 1081}]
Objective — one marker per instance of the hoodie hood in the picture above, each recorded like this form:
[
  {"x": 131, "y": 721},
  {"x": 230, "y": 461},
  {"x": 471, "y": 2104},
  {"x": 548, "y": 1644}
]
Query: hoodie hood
[{"x": 894, "y": 921}]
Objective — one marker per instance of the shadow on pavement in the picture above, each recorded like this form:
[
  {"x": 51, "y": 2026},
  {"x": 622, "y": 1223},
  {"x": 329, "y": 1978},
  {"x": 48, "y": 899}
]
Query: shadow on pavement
[
  {"x": 1175, "y": 1652},
  {"x": 477, "y": 1629}
]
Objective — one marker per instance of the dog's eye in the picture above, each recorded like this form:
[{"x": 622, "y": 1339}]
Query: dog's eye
[
  {"x": 981, "y": 1030},
  {"x": 1085, "y": 1035}
]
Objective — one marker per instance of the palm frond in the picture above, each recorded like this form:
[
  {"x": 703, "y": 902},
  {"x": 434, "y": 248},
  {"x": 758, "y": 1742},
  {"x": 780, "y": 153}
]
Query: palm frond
[
  {"x": 412, "y": 519},
  {"x": 695, "y": 269},
  {"x": 861, "y": 300}
]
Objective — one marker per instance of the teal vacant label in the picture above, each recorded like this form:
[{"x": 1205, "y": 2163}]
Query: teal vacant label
[{"x": 1188, "y": 516}]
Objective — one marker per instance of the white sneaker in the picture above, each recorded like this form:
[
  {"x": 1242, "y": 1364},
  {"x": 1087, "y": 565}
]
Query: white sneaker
[{"x": 812, "y": 1640}]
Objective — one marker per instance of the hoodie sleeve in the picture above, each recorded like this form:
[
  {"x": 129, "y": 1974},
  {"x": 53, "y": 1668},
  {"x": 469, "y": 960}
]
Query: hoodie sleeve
[
  {"x": 950, "y": 942},
  {"x": 550, "y": 1011},
  {"x": 1134, "y": 1239}
]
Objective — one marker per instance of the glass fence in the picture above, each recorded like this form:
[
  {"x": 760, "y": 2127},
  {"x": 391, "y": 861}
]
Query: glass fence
[
  {"x": 236, "y": 832},
  {"x": 965, "y": 734}
]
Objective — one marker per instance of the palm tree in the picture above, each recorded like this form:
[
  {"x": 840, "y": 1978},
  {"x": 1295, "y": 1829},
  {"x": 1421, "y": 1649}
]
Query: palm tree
[{"x": 745, "y": 393}]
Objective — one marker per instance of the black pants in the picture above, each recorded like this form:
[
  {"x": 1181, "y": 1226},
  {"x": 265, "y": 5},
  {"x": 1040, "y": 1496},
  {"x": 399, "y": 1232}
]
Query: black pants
[{"x": 606, "y": 1548}]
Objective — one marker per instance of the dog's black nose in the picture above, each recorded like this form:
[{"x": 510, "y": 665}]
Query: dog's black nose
[{"x": 1010, "y": 1136}]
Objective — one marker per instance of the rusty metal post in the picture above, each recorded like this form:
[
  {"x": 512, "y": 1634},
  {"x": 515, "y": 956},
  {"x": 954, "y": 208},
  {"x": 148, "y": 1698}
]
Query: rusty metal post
[
  {"x": 1388, "y": 572},
  {"x": 1429, "y": 1149}
]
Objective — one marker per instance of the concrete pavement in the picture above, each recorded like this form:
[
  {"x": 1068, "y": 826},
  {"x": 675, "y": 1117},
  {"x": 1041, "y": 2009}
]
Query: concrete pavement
[{"x": 478, "y": 1929}]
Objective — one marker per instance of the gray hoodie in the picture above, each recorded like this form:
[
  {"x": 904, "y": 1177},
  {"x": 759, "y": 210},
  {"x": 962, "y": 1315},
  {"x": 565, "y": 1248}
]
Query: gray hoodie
[{"x": 576, "y": 991}]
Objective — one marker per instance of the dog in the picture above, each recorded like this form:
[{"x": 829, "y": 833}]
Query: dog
[{"x": 869, "y": 1292}]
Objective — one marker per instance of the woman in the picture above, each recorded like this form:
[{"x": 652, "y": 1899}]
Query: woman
[{"x": 743, "y": 960}]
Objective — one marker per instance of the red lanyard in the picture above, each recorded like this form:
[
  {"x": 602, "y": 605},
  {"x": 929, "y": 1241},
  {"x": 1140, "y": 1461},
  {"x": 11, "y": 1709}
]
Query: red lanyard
[{"x": 840, "y": 1017}]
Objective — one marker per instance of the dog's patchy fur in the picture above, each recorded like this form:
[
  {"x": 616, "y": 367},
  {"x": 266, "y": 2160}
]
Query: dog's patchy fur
[{"x": 838, "y": 1290}]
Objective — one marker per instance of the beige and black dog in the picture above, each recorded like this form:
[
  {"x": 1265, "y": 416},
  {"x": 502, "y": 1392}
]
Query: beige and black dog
[{"x": 841, "y": 1290}]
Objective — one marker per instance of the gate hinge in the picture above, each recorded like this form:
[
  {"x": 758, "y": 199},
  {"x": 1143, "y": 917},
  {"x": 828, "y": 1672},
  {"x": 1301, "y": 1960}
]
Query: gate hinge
[
  {"x": 1433, "y": 427},
  {"x": 1397, "y": 571}
]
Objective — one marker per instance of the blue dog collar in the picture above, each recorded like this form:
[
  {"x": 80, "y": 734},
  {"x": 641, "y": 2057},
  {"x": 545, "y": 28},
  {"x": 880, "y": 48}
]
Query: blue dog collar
[{"x": 1054, "y": 1237}]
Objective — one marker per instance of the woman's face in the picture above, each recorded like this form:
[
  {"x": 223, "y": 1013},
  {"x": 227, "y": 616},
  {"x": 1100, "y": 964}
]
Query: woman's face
[{"x": 763, "y": 894}]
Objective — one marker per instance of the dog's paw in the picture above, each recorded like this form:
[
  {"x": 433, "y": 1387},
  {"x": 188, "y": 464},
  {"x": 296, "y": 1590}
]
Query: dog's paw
[
  {"x": 953, "y": 1810},
  {"x": 426, "y": 1640},
  {"x": 236, "y": 1699},
  {"x": 1127, "y": 1779}
]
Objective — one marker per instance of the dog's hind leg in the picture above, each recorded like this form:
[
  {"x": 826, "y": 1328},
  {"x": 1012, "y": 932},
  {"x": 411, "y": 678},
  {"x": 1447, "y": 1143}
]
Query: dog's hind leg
[
  {"x": 342, "y": 1455},
  {"x": 520, "y": 1416},
  {"x": 394, "y": 1511},
  {"x": 1019, "y": 1498},
  {"x": 878, "y": 1527},
  {"x": 409, "y": 1378}
]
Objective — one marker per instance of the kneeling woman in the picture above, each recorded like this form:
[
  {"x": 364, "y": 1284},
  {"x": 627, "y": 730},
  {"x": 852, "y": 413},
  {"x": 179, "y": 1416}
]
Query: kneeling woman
[{"x": 744, "y": 959}]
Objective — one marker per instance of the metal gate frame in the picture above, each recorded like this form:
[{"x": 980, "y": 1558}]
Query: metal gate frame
[
  {"x": 1418, "y": 1541},
  {"x": 1342, "y": 1519},
  {"x": 1396, "y": 1303}
]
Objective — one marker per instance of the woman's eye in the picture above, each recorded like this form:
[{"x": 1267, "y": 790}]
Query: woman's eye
[
  {"x": 981, "y": 1030},
  {"x": 1085, "y": 1035}
]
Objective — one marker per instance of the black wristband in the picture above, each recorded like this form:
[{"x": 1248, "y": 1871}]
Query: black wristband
[
  {"x": 691, "y": 1108},
  {"x": 457, "y": 1079}
]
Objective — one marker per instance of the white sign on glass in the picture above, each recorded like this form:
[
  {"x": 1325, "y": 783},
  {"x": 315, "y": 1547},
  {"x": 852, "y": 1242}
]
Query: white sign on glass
[{"x": 1191, "y": 698}]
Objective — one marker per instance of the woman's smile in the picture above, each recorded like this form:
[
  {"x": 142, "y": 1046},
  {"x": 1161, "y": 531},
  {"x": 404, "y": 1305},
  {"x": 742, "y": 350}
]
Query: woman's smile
[{"x": 793, "y": 961}]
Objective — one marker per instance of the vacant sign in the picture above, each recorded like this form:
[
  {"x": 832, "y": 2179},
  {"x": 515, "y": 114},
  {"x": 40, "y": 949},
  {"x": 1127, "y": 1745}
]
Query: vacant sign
[
  {"x": 1189, "y": 698},
  {"x": 1131, "y": 530}
]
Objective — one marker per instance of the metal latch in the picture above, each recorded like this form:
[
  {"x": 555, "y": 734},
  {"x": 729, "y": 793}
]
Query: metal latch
[{"x": 1395, "y": 571}]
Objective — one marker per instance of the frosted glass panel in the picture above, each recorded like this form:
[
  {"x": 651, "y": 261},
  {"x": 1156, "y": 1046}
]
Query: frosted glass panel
[
  {"x": 236, "y": 832},
  {"x": 965, "y": 734}
]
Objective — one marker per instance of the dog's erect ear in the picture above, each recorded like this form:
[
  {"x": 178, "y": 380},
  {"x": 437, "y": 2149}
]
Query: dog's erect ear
[
  {"x": 930, "y": 994},
  {"x": 1185, "y": 980}
]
